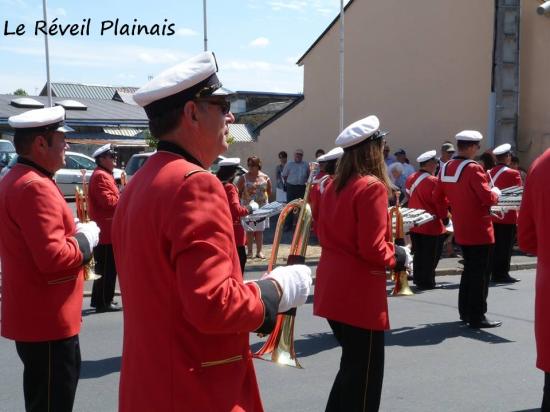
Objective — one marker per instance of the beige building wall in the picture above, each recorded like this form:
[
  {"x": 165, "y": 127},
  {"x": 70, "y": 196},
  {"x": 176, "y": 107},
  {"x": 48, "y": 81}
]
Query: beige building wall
[
  {"x": 423, "y": 67},
  {"x": 534, "y": 104}
]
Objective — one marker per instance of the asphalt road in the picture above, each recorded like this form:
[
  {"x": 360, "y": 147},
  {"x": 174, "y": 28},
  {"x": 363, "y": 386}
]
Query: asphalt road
[{"x": 433, "y": 362}]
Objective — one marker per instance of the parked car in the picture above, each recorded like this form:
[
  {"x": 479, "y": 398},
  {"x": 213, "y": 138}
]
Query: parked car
[
  {"x": 135, "y": 163},
  {"x": 139, "y": 159},
  {"x": 6, "y": 146},
  {"x": 70, "y": 176},
  {"x": 7, "y": 152}
]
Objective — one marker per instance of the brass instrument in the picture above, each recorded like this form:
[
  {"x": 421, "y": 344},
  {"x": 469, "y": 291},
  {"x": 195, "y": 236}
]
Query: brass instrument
[
  {"x": 279, "y": 347},
  {"x": 123, "y": 180},
  {"x": 81, "y": 202},
  {"x": 401, "y": 287}
]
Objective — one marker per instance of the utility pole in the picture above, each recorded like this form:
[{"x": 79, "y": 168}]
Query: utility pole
[{"x": 48, "y": 82}]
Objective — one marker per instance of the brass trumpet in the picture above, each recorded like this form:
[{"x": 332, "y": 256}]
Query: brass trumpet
[
  {"x": 279, "y": 347},
  {"x": 81, "y": 202},
  {"x": 401, "y": 287}
]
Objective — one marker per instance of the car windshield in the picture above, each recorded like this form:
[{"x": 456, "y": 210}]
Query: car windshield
[
  {"x": 78, "y": 162},
  {"x": 6, "y": 158},
  {"x": 135, "y": 163},
  {"x": 6, "y": 146}
]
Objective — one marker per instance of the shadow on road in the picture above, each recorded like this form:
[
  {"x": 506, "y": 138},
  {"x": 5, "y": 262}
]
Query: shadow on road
[
  {"x": 99, "y": 368},
  {"x": 435, "y": 333}
]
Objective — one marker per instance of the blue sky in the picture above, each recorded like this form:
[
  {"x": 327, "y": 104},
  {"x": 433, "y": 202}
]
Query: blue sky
[{"x": 257, "y": 42}]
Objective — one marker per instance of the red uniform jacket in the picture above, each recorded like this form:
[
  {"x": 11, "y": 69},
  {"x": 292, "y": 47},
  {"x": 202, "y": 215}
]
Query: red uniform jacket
[
  {"x": 533, "y": 229},
  {"x": 42, "y": 275},
  {"x": 354, "y": 234},
  {"x": 237, "y": 211},
  {"x": 103, "y": 196},
  {"x": 187, "y": 312},
  {"x": 422, "y": 197},
  {"x": 470, "y": 199},
  {"x": 507, "y": 178}
]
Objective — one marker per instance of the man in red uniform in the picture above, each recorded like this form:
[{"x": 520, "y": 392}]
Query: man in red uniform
[
  {"x": 504, "y": 177},
  {"x": 187, "y": 312},
  {"x": 42, "y": 253},
  {"x": 533, "y": 227},
  {"x": 103, "y": 197},
  {"x": 464, "y": 184},
  {"x": 427, "y": 239}
]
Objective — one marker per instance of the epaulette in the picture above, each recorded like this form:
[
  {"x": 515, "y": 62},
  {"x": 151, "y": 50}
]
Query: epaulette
[{"x": 192, "y": 172}]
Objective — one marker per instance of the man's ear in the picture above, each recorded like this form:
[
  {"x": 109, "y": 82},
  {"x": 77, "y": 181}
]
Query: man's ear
[
  {"x": 190, "y": 111},
  {"x": 40, "y": 142}
]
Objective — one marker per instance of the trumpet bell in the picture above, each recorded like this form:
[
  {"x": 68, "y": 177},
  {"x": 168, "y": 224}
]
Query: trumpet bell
[{"x": 401, "y": 287}]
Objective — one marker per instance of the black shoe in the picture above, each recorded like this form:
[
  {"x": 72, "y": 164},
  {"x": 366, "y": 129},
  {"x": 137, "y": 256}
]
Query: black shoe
[
  {"x": 505, "y": 279},
  {"x": 109, "y": 308},
  {"x": 484, "y": 324}
]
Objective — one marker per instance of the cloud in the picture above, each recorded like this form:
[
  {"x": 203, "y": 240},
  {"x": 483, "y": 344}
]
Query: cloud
[
  {"x": 288, "y": 5},
  {"x": 259, "y": 42},
  {"x": 186, "y": 32}
]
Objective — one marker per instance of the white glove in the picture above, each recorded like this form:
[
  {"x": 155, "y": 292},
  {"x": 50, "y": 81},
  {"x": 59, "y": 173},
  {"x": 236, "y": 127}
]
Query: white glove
[
  {"x": 295, "y": 283},
  {"x": 91, "y": 231},
  {"x": 253, "y": 206},
  {"x": 496, "y": 191},
  {"x": 409, "y": 258}
]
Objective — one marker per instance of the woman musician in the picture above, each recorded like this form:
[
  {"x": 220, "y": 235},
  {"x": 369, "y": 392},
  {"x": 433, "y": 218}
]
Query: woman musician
[{"x": 354, "y": 232}]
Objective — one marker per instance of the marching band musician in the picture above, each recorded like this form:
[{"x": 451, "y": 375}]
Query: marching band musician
[
  {"x": 427, "y": 239},
  {"x": 187, "y": 311},
  {"x": 327, "y": 163},
  {"x": 533, "y": 227},
  {"x": 464, "y": 185},
  {"x": 354, "y": 232},
  {"x": 43, "y": 252},
  {"x": 503, "y": 177},
  {"x": 226, "y": 173},
  {"x": 103, "y": 197}
]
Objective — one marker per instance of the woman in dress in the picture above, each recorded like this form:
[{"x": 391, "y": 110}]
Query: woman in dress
[
  {"x": 354, "y": 232},
  {"x": 255, "y": 185}
]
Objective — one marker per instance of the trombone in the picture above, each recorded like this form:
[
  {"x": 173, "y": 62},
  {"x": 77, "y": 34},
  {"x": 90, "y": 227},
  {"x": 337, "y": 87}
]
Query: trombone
[
  {"x": 81, "y": 202},
  {"x": 401, "y": 287},
  {"x": 279, "y": 347}
]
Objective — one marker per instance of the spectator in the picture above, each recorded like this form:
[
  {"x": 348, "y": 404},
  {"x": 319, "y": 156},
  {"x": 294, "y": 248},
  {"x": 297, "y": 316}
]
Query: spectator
[
  {"x": 388, "y": 159},
  {"x": 397, "y": 177},
  {"x": 255, "y": 185},
  {"x": 487, "y": 160},
  {"x": 295, "y": 175},
  {"x": 401, "y": 157},
  {"x": 280, "y": 188},
  {"x": 319, "y": 152},
  {"x": 514, "y": 164}
]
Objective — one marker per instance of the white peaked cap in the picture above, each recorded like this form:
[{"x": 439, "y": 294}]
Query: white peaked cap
[
  {"x": 502, "y": 149},
  {"x": 424, "y": 157},
  {"x": 359, "y": 131},
  {"x": 469, "y": 136},
  {"x": 332, "y": 154},
  {"x": 49, "y": 116},
  {"x": 230, "y": 161}
]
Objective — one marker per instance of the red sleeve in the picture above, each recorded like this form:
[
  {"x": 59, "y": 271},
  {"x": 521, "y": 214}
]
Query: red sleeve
[
  {"x": 202, "y": 248},
  {"x": 235, "y": 207},
  {"x": 103, "y": 189},
  {"x": 51, "y": 249},
  {"x": 441, "y": 202},
  {"x": 372, "y": 224},
  {"x": 480, "y": 185},
  {"x": 527, "y": 228}
]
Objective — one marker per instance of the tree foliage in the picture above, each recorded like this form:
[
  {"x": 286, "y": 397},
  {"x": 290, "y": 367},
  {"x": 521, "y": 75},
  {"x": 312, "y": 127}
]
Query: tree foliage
[{"x": 20, "y": 92}]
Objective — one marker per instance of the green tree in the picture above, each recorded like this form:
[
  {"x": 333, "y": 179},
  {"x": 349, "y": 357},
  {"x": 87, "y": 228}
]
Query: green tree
[
  {"x": 20, "y": 92},
  {"x": 151, "y": 140}
]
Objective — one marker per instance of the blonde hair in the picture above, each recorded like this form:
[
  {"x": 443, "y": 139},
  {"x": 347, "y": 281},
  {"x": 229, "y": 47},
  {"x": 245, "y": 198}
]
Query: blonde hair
[{"x": 363, "y": 159}]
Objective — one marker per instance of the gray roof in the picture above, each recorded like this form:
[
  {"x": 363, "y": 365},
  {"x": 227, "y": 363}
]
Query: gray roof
[
  {"x": 86, "y": 91},
  {"x": 269, "y": 108},
  {"x": 242, "y": 133},
  {"x": 99, "y": 113}
]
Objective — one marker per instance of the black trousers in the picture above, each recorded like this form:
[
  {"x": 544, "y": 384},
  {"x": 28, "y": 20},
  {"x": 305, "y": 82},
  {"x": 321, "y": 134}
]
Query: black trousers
[
  {"x": 293, "y": 192},
  {"x": 504, "y": 245},
  {"x": 51, "y": 372},
  {"x": 103, "y": 290},
  {"x": 358, "y": 383},
  {"x": 474, "y": 282},
  {"x": 241, "y": 251},
  {"x": 546, "y": 395},
  {"x": 427, "y": 250}
]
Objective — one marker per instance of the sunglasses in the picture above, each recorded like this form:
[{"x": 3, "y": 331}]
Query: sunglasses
[{"x": 224, "y": 105}]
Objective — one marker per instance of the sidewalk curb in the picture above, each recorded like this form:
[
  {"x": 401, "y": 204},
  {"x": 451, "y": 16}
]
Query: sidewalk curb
[{"x": 439, "y": 272}]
